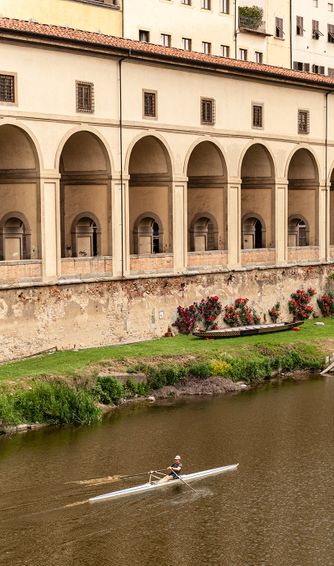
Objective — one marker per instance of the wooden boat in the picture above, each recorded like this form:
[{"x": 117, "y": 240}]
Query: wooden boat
[
  {"x": 153, "y": 485},
  {"x": 234, "y": 331}
]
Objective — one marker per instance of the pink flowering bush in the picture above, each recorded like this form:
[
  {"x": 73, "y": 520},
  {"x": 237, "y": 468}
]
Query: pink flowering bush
[
  {"x": 204, "y": 313},
  {"x": 240, "y": 313},
  {"x": 299, "y": 304},
  {"x": 275, "y": 312},
  {"x": 326, "y": 304}
]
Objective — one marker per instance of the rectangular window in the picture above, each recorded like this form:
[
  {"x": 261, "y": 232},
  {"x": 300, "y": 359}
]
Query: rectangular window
[
  {"x": 315, "y": 3},
  {"x": 144, "y": 35},
  {"x": 318, "y": 69},
  {"x": 166, "y": 40},
  {"x": 7, "y": 88},
  {"x": 316, "y": 33},
  {"x": 279, "y": 32},
  {"x": 206, "y": 4},
  {"x": 299, "y": 25},
  {"x": 206, "y": 47},
  {"x": 85, "y": 97},
  {"x": 225, "y": 50},
  {"x": 330, "y": 31},
  {"x": 207, "y": 111},
  {"x": 300, "y": 66},
  {"x": 186, "y": 43},
  {"x": 225, "y": 6},
  {"x": 303, "y": 122},
  {"x": 257, "y": 116},
  {"x": 330, "y": 6},
  {"x": 258, "y": 57},
  {"x": 150, "y": 104},
  {"x": 330, "y": 72},
  {"x": 186, "y": 2},
  {"x": 243, "y": 54}
]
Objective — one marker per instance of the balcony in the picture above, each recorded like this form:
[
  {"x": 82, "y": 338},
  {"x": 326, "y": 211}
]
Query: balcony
[{"x": 252, "y": 25}]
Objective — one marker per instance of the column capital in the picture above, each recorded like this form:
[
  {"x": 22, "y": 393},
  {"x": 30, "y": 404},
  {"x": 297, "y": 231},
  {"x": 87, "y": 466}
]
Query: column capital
[{"x": 49, "y": 174}]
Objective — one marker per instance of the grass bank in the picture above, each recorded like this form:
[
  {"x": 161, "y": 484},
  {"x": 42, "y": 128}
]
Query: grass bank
[{"x": 65, "y": 387}]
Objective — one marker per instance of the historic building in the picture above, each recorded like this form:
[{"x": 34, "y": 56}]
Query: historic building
[{"x": 134, "y": 176}]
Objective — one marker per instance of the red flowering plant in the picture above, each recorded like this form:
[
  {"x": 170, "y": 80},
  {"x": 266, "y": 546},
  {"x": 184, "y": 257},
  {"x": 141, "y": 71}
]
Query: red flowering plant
[
  {"x": 299, "y": 304},
  {"x": 326, "y": 304},
  {"x": 240, "y": 313},
  {"x": 275, "y": 312},
  {"x": 204, "y": 313}
]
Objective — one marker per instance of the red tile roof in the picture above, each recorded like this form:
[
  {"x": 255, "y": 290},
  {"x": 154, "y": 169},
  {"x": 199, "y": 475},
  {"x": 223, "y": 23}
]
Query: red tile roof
[{"x": 9, "y": 26}]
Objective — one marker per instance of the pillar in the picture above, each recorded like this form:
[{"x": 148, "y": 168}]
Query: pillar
[
  {"x": 234, "y": 223},
  {"x": 281, "y": 221},
  {"x": 120, "y": 226},
  {"x": 50, "y": 225}
]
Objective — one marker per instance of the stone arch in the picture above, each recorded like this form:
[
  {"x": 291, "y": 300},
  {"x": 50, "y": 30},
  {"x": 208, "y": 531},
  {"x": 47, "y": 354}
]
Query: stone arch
[
  {"x": 207, "y": 194},
  {"x": 19, "y": 191},
  {"x": 155, "y": 145},
  {"x": 86, "y": 235},
  {"x": 253, "y": 231},
  {"x": 85, "y": 171},
  {"x": 96, "y": 135},
  {"x": 298, "y": 231},
  {"x": 148, "y": 234},
  {"x": 258, "y": 197},
  {"x": 303, "y": 197},
  {"x": 150, "y": 188}
]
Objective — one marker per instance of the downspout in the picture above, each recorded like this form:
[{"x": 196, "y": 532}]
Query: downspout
[
  {"x": 291, "y": 36},
  {"x": 326, "y": 172},
  {"x": 123, "y": 17},
  {"x": 235, "y": 29},
  {"x": 120, "y": 61}
]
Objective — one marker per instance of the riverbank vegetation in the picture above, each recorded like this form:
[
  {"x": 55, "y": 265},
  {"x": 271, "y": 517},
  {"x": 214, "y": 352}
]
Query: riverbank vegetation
[{"x": 73, "y": 387}]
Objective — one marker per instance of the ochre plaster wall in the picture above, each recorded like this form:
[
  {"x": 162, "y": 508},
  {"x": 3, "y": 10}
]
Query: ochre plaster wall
[{"x": 104, "y": 313}]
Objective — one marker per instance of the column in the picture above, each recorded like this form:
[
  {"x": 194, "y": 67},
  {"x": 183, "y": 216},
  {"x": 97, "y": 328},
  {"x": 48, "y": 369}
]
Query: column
[
  {"x": 180, "y": 224},
  {"x": 50, "y": 225},
  {"x": 281, "y": 221},
  {"x": 234, "y": 223},
  {"x": 120, "y": 226},
  {"x": 324, "y": 222}
]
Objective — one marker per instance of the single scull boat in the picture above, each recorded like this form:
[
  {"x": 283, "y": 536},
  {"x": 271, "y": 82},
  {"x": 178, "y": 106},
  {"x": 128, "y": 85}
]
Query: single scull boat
[{"x": 149, "y": 486}]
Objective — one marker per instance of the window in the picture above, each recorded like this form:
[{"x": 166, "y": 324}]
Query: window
[
  {"x": 243, "y": 54},
  {"x": 299, "y": 25},
  {"x": 258, "y": 57},
  {"x": 225, "y": 50},
  {"x": 148, "y": 236},
  {"x": 203, "y": 234},
  {"x": 300, "y": 66},
  {"x": 316, "y": 33},
  {"x": 279, "y": 28},
  {"x": 303, "y": 122},
  {"x": 330, "y": 72},
  {"x": 225, "y": 6},
  {"x": 252, "y": 234},
  {"x": 206, "y": 47},
  {"x": 85, "y": 97},
  {"x": 166, "y": 39},
  {"x": 315, "y": 3},
  {"x": 186, "y": 43},
  {"x": 330, "y": 31},
  {"x": 144, "y": 35},
  {"x": 150, "y": 104},
  {"x": 7, "y": 88},
  {"x": 298, "y": 232},
  {"x": 186, "y": 2},
  {"x": 257, "y": 116},
  {"x": 206, "y": 4},
  {"x": 318, "y": 69},
  {"x": 330, "y": 6},
  {"x": 85, "y": 237},
  {"x": 207, "y": 111},
  {"x": 15, "y": 238}
]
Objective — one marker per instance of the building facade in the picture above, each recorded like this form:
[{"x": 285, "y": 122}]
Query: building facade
[{"x": 151, "y": 168}]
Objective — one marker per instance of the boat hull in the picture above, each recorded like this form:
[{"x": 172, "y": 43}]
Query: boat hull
[
  {"x": 154, "y": 486},
  {"x": 247, "y": 330}
]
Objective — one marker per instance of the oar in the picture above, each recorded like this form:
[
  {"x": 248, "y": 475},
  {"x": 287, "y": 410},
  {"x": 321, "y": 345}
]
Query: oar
[
  {"x": 183, "y": 481},
  {"x": 109, "y": 479}
]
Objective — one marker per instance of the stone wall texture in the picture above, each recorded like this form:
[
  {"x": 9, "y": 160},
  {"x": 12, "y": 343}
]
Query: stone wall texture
[{"x": 102, "y": 313}]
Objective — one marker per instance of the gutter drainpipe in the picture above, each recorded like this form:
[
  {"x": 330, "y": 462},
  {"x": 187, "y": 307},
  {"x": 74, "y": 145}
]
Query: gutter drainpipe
[
  {"x": 291, "y": 36},
  {"x": 235, "y": 29},
  {"x": 120, "y": 61},
  {"x": 326, "y": 173}
]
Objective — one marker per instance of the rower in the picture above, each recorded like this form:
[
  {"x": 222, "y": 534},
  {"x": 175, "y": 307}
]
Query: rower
[{"x": 175, "y": 470}]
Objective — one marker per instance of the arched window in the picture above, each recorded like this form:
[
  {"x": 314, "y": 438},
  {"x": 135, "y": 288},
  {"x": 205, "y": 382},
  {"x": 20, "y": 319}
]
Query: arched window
[
  {"x": 85, "y": 237},
  {"x": 203, "y": 235},
  {"x": 252, "y": 234},
  {"x": 15, "y": 239},
  {"x": 298, "y": 232},
  {"x": 148, "y": 236}
]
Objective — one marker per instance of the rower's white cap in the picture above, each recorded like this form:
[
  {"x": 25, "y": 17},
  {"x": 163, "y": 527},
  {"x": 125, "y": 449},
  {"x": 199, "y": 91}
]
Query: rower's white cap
[{"x": 177, "y": 457}]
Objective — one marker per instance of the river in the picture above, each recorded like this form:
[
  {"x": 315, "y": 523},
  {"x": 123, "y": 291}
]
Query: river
[{"x": 275, "y": 510}]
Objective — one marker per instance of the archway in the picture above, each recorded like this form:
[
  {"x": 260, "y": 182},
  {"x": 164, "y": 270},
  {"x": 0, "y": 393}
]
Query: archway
[
  {"x": 150, "y": 198},
  {"x": 207, "y": 182},
  {"x": 19, "y": 196},
  {"x": 85, "y": 197},
  {"x": 257, "y": 198},
  {"x": 303, "y": 180}
]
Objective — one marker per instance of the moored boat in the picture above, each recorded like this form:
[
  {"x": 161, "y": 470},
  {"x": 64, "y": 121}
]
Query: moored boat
[
  {"x": 153, "y": 485},
  {"x": 250, "y": 330}
]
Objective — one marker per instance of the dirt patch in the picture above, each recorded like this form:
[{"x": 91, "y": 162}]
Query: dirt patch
[{"x": 212, "y": 386}]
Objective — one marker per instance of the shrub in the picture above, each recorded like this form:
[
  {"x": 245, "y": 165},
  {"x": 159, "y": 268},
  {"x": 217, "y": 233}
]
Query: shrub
[
  {"x": 204, "y": 313},
  {"x": 275, "y": 312},
  {"x": 202, "y": 370},
  {"x": 133, "y": 388},
  {"x": 299, "y": 305},
  {"x": 240, "y": 313},
  {"x": 108, "y": 390},
  {"x": 220, "y": 367},
  {"x": 326, "y": 304},
  {"x": 250, "y": 16},
  {"x": 165, "y": 375}
]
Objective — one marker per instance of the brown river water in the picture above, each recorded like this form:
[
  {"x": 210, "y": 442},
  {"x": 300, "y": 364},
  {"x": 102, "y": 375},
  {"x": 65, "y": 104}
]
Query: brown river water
[{"x": 275, "y": 510}]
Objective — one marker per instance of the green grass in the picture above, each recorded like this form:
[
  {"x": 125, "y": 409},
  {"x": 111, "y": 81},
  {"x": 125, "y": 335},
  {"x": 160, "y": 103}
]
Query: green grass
[{"x": 70, "y": 363}]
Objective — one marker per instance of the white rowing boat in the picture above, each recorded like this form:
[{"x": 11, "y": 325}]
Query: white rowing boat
[{"x": 149, "y": 486}]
